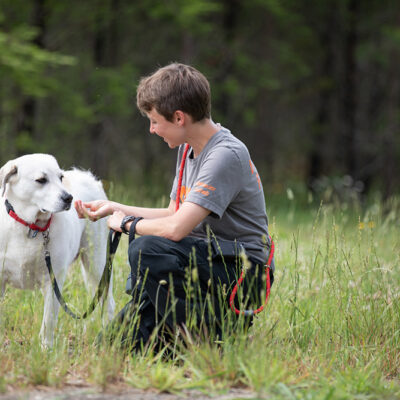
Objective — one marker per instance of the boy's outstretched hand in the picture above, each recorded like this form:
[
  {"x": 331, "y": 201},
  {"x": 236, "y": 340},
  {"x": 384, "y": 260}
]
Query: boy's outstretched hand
[{"x": 93, "y": 210}]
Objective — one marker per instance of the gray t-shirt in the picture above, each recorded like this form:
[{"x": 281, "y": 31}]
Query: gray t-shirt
[{"x": 224, "y": 180}]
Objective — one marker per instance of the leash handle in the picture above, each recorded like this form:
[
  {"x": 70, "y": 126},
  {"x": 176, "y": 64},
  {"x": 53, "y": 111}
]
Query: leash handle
[{"x": 112, "y": 245}]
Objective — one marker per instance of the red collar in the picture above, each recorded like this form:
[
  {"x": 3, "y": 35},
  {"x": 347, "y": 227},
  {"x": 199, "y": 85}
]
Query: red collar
[{"x": 34, "y": 227}]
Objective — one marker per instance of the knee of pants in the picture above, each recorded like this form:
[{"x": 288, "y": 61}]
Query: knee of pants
[
  {"x": 147, "y": 244},
  {"x": 141, "y": 244}
]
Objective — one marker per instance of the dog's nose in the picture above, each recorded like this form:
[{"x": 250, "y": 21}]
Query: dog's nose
[{"x": 66, "y": 198}]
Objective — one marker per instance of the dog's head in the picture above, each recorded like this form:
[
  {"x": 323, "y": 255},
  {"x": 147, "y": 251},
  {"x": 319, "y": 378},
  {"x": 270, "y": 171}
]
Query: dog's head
[{"x": 35, "y": 180}]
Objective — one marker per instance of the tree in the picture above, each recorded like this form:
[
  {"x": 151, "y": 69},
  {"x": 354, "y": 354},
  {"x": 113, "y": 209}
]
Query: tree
[{"x": 23, "y": 68}]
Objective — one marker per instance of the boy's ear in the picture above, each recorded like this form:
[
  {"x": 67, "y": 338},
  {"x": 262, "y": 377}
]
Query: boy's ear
[{"x": 179, "y": 117}]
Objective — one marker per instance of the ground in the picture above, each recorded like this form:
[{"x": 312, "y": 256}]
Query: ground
[{"x": 91, "y": 393}]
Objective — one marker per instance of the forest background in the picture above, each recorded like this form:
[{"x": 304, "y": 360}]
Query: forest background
[{"x": 312, "y": 87}]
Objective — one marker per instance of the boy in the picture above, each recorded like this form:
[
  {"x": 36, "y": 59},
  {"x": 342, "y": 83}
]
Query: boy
[{"x": 222, "y": 212}]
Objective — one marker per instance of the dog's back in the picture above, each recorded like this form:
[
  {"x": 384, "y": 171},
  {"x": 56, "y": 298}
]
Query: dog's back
[{"x": 83, "y": 185}]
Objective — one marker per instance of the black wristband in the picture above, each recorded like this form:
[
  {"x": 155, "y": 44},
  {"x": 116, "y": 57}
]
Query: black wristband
[
  {"x": 124, "y": 221},
  {"x": 132, "y": 228}
]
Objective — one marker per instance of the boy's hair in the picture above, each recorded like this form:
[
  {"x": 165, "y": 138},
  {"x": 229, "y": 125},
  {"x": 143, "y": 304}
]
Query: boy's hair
[{"x": 175, "y": 87}]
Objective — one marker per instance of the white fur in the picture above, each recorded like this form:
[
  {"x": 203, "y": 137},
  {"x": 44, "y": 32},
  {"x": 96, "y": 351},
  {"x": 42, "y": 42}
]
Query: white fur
[{"x": 22, "y": 262}]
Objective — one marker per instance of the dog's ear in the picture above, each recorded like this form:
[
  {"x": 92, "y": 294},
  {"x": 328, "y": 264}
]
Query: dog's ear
[{"x": 6, "y": 172}]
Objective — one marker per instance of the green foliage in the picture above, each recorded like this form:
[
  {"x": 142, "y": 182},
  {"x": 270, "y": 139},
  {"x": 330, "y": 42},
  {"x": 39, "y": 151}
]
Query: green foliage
[
  {"x": 191, "y": 16},
  {"x": 279, "y": 71},
  {"x": 25, "y": 63},
  {"x": 112, "y": 91},
  {"x": 25, "y": 143}
]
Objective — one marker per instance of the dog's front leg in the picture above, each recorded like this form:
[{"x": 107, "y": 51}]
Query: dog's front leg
[
  {"x": 50, "y": 315},
  {"x": 2, "y": 280},
  {"x": 2, "y": 287}
]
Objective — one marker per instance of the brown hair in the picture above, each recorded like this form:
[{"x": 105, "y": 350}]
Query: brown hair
[{"x": 175, "y": 87}]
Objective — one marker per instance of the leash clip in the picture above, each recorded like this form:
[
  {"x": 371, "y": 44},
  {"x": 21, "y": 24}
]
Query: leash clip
[{"x": 46, "y": 239}]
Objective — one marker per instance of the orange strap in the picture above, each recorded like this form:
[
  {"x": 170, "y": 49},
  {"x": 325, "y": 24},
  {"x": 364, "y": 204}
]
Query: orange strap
[
  {"x": 268, "y": 286},
  {"x": 181, "y": 168}
]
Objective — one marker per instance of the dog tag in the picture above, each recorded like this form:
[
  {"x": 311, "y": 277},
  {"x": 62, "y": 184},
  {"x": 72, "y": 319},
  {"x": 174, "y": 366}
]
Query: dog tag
[{"x": 32, "y": 233}]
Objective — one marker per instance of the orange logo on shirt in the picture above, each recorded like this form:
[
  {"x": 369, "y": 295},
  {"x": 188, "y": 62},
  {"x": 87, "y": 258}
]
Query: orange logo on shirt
[
  {"x": 184, "y": 192},
  {"x": 199, "y": 187},
  {"x": 204, "y": 185},
  {"x": 203, "y": 188},
  {"x": 203, "y": 192}
]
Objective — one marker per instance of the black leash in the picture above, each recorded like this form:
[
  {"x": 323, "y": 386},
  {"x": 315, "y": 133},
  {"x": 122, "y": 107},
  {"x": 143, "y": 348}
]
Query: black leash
[{"x": 112, "y": 245}]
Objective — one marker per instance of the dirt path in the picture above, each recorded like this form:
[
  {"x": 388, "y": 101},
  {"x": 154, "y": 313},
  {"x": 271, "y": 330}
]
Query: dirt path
[{"x": 129, "y": 394}]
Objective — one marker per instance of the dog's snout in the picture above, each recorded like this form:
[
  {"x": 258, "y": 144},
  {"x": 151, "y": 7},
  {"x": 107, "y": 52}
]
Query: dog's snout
[{"x": 66, "y": 198}]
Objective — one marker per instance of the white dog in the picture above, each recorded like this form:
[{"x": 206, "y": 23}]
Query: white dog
[{"x": 40, "y": 193}]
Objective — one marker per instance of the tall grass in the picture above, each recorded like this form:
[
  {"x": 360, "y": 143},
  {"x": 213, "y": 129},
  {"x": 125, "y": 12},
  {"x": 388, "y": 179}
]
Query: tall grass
[{"x": 331, "y": 329}]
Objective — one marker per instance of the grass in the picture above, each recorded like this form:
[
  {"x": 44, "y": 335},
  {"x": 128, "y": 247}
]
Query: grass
[{"x": 330, "y": 331}]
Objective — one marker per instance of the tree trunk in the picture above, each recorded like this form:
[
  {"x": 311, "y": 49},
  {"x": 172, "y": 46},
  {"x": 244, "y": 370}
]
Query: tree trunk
[
  {"x": 350, "y": 89},
  {"x": 105, "y": 54},
  {"x": 316, "y": 163},
  {"x": 26, "y": 119},
  {"x": 229, "y": 23},
  {"x": 390, "y": 139}
]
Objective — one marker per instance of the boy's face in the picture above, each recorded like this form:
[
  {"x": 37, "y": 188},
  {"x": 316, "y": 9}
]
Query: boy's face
[{"x": 171, "y": 132}]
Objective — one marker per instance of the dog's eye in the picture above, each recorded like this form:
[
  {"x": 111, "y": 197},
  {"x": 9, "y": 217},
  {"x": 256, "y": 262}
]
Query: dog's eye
[
  {"x": 42, "y": 181},
  {"x": 61, "y": 177}
]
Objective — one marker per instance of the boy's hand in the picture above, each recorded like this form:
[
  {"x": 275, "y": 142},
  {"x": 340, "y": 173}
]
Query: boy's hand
[
  {"x": 114, "y": 222},
  {"x": 93, "y": 210}
]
